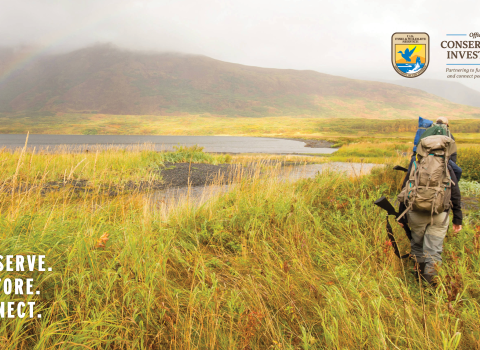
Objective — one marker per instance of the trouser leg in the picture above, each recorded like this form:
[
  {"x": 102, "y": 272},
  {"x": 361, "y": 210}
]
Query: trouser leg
[
  {"x": 427, "y": 240},
  {"x": 433, "y": 243},
  {"x": 418, "y": 225}
]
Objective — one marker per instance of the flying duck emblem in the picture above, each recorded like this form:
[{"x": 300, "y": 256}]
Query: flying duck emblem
[
  {"x": 410, "y": 53},
  {"x": 406, "y": 55}
]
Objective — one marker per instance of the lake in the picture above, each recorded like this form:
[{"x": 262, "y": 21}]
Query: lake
[{"x": 218, "y": 144}]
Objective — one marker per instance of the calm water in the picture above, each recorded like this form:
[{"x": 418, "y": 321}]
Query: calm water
[
  {"x": 228, "y": 144},
  {"x": 172, "y": 197}
]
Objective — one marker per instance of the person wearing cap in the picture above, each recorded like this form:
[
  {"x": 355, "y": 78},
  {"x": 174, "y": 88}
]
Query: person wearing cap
[
  {"x": 427, "y": 241},
  {"x": 442, "y": 120}
]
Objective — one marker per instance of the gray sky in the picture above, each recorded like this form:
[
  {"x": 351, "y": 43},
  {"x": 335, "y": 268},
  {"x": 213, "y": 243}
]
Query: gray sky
[{"x": 348, "y": 38}]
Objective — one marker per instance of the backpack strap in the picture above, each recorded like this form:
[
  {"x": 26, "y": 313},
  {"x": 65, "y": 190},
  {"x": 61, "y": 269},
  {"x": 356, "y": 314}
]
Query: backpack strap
[
  {"x": 446, "y": 217},
  {"x": 410, "y": 205},
  {"x": 447, "y": 157},
  {"x": 405, "y": 211},
  {"x": 433, "y": 206}
]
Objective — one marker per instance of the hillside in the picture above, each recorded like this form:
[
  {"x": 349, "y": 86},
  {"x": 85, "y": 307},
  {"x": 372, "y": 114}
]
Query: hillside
[
  {"x": 450, "y": 90},
  {"x": 107, "y": 80}
]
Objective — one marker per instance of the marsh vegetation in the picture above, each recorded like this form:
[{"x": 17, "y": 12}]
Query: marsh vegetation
[{"x": 270, "y": 264}]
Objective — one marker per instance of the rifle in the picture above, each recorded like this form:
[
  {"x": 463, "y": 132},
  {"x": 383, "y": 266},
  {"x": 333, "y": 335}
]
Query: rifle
[
  {"x": 388, "y": 207},
  {"x": 398, "y": 167}
]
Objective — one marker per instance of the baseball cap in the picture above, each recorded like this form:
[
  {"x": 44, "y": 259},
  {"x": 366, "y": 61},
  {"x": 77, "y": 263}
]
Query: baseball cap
[{"x": 442, "y": 120}]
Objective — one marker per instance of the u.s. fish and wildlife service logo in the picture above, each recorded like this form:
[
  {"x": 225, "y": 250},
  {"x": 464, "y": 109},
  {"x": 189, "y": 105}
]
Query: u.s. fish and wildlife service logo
[{"x": 410, "y": 53}]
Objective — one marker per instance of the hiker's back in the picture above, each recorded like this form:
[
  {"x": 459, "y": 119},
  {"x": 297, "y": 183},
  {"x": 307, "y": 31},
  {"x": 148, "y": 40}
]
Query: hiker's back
[
  {"x": 429, "y": 191},
  {"x": 428, "y": 188}
]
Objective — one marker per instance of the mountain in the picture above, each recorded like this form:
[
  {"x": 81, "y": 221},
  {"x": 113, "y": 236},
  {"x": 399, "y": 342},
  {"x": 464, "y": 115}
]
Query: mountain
[
  {"x": 107, "y": 80},
  {"x": 450, "y": 90}
]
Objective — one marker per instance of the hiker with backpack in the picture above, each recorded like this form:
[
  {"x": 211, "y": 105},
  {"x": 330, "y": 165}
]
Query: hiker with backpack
[
  {"x": 430, "y": 190},
  {"x": 428, "y": 128},
  {"x": 441, "y": 128}
]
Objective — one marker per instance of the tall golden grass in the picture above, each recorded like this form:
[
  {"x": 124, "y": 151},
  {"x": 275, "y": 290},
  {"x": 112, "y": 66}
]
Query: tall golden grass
[
  {"x": 469, "y": 161},
  {"x": 270, "y": 264}
]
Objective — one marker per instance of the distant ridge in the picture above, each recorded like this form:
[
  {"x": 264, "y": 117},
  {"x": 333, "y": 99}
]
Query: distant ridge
[
  {"x": 451, "y": 90},
  {"x": 107, "y": 80}
]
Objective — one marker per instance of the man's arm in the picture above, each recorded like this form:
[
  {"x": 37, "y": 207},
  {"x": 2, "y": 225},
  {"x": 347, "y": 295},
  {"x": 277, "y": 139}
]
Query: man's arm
[
  {"x": 456, "y": 199},
  {"x": 456, "y": 196},
  {"x": 453, "y": 157}
]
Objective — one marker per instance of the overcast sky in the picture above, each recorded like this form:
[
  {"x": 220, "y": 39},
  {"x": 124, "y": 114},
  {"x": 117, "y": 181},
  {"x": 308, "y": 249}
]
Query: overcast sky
[{"x": 348, "y": 38}]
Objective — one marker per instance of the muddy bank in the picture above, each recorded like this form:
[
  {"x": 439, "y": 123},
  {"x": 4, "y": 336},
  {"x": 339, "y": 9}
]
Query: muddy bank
[
  {"x": 199, "y": 174},
  {"x": 186, "y": 175},
  {"x": 314, "y": 143},
  {"x": 202, "y": 174},
  {"x": 173, "y": 175},
  {"x": 85, "y": 186}
]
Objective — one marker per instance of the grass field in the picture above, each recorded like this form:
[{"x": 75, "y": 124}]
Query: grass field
[
  {"x": 268, "y": 265},
  {"x": 378, "y": 151},
  {"x": 309, "y": 127}
]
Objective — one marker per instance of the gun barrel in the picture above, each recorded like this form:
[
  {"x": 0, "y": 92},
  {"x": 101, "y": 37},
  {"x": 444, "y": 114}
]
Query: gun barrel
[
  {"x": 401, "y": 168},
  {"x": 383, "y": 203}
]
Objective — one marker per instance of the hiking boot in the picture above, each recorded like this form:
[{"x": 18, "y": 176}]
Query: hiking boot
[
  {"x": 431, "y": 279},
  {"x": 419, "y": 270}
]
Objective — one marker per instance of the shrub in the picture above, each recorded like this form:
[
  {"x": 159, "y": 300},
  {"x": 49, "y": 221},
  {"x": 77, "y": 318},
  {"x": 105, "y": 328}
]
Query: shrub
[
  {"x": 91, "y": 131},
  {"x": 193, "y": 154},
  {"x": 469, "y": 188},
  {"x": 469, "y": 161},
  {"x": 369, "y": 149}
]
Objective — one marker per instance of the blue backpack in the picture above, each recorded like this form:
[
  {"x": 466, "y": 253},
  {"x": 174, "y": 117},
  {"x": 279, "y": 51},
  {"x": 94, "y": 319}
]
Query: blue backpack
[{"x": 423, "y": 124}]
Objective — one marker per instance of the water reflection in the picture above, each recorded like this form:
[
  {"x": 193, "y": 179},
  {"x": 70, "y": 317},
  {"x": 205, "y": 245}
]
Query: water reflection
[{"x": 166, "y": 199}]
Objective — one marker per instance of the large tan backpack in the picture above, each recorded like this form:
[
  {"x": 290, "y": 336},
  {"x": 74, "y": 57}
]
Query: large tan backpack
[{"x": 428, "y": 188}]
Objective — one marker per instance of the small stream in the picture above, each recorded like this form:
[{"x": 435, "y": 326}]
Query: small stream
[{"x": 172, "y": 197}]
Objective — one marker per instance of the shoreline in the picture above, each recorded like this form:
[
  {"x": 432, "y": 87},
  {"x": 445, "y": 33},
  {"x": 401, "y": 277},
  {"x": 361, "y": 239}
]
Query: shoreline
[
  {"x": 311, "y": 143},
  {"x": 210, "y": 144},
  {"x": 174, "y": 175}
]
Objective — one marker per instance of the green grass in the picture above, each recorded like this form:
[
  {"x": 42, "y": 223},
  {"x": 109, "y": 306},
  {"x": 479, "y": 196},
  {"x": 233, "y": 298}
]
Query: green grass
[
  {"x": 470, "y": 188},
  {"x": 469, "y": 161},
  {"x": 371, "y": 152},
  {"x": 268, "y": 265},
  {"x": 115, "y": 165},
  {"x": 379, "y": 150},
  {"x": 340, "y": 129}
]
